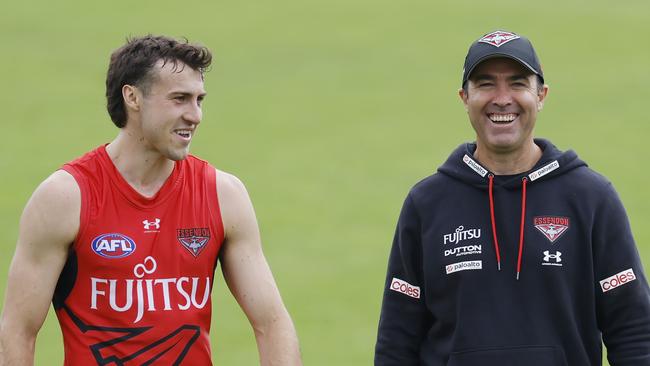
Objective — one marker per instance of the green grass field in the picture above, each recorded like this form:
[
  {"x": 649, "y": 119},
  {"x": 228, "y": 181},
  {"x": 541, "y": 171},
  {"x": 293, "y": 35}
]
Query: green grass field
[{"x": 329, "y": 111}]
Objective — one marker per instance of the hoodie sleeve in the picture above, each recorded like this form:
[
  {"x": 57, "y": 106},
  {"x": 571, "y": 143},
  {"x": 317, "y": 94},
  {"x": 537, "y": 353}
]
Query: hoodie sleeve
[
  {"x": 622, "y": 294},
  {"x": 404, "y": 319}
]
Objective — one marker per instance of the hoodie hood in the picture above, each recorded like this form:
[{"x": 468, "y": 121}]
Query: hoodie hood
[{"x": 462, "y": 166}]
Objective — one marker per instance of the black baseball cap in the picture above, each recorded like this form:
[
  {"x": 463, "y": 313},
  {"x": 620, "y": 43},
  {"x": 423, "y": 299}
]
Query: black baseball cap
[{"x": 502, "y": 44}]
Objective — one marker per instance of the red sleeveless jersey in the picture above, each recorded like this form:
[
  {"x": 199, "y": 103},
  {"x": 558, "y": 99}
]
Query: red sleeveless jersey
[{"x": 136, "y": 287}]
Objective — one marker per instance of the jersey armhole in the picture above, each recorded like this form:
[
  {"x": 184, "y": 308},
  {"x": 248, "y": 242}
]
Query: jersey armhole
[
  {"x": 83, "y": 210},
  {"x": 213, "y": 203}
]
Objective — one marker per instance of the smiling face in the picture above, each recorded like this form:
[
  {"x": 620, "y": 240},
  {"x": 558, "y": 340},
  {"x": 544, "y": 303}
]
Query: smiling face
[
  {"x": 169, "y": 109},
  {"x": 502, "y": 99}
]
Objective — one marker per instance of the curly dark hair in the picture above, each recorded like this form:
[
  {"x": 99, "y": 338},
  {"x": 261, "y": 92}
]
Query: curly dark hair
[{"x": 132, "y": 64}]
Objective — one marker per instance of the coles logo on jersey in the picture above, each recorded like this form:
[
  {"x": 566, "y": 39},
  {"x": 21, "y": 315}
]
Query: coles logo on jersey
[
  {"x": 551, "y": 226},
  {"x": 617, "y": 280},
  {"x": 194, "y": 239},
  {"x": 405, "y": 288},
  {"x": 113, "y": 245}
]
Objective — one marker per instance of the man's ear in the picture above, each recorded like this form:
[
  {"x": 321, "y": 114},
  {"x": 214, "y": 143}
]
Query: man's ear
[
  {"x": 463, "y": 97},
  {"x": 132, "y": 97},
  {"x": 541, "y": 97}
]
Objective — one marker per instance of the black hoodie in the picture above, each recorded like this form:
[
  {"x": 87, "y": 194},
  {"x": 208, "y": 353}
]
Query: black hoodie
[{"x": 459, "y": 293}]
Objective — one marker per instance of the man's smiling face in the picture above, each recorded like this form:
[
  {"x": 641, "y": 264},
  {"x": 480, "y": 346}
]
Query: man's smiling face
[{"x": 502, "y": 99}]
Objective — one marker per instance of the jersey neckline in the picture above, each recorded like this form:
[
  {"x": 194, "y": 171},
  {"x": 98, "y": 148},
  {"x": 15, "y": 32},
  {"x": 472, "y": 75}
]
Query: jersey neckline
[{"x": 135, "y": 197}]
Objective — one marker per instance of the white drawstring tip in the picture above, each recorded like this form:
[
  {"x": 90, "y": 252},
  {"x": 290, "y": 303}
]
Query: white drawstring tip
[
  {"x": 517, "y": 276},
  {"x": 499, "y": 266}
]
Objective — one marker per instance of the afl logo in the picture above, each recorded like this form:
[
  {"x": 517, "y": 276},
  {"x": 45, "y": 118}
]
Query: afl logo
[{"x": 113, "y": 245}]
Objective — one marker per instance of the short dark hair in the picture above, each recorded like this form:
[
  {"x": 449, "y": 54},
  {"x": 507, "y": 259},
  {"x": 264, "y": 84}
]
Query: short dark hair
[{"x": 133, "y": 63}]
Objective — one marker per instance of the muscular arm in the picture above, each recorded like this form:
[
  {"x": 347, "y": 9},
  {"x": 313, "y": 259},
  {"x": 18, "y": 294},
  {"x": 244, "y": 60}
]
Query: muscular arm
[
  {"x": 249, "y": 277},
  {"x": 47, "y": 227}
]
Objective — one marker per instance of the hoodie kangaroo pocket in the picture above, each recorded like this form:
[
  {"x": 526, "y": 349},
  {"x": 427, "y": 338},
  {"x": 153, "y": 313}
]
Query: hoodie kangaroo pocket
[{"x": 509, "y": 356}]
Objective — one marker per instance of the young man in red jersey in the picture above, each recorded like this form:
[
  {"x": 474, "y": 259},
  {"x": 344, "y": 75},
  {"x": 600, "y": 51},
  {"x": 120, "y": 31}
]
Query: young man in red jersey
[{"x": 124, "y": 240}]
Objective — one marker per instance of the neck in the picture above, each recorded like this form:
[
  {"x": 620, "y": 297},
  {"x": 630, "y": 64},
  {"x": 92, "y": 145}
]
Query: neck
[
  {"x": 144, "y": 168},
  {"x": 509, "y": 162}
]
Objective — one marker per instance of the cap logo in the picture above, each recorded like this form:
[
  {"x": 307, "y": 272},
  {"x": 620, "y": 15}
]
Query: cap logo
[{"x": 498, "y": 38}]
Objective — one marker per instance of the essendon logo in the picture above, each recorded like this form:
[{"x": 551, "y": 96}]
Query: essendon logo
[
  {"x": 194, "y": 239},
  {"x": 405, "y": 288},
  {"x": 551, "y": 226},
  {"x": 617, "y": 280},
  {"x": 498, "y": 38}
]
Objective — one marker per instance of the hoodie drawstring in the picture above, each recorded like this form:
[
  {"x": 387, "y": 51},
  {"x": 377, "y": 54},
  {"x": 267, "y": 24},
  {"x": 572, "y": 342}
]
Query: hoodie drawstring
[
  {"x": 494, "y": 226},
  {"x": 523, "y": 220}
]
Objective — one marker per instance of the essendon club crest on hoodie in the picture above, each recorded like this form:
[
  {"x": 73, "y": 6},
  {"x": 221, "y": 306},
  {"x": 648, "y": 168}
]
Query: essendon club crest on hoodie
[
  {"x": 551, "y": 226},
  {"x": 194, "y": 239}
]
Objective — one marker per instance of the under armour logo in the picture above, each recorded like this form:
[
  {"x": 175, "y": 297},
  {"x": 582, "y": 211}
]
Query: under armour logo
[
  {"x": 548, "y": 256},
  {"x": 148, "y": 224}
]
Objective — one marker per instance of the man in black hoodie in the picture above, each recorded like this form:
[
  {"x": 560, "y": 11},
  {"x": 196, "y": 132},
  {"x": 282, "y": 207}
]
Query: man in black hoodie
[{"x": 514, "y": 253}]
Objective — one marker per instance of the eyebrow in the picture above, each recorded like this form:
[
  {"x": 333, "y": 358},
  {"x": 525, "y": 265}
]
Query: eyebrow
[
  {"x": 184, "y": 93},
  {"x": 491, "y": 77}
]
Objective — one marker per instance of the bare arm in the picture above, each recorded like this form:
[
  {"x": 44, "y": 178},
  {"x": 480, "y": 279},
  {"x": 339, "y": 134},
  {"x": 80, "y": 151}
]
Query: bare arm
[
  {"x": 47, "y": 227},
  {"x": 249, "y": 277}
]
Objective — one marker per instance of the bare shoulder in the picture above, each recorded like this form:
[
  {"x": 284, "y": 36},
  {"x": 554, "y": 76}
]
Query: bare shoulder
[
  {"x": 59, "y": 184},
  {"x": 236, "y": 208},
  {"x": 54, "y": 207},
  {"x": 58, "y": 191},
  {"x": 228, "y": 184},
  {"x": 232, "y": 192}
]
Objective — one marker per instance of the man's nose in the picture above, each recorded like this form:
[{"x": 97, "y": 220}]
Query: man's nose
[
  {"x": 502, "y": 96},
  {"x": 193, "y": 114}
]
